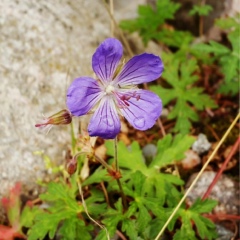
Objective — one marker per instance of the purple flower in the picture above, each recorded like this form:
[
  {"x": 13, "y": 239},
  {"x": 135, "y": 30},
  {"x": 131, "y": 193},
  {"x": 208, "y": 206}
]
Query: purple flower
[{"x": 115, "y": 92}]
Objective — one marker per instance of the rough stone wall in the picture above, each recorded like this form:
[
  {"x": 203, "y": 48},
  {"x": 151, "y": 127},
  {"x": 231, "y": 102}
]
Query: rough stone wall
[{"x": 44, "y": 45}]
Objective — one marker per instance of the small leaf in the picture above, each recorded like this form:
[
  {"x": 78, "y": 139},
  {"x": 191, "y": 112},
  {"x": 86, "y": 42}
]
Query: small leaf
[
  {"x": 129, "y": 227},
  {"x": 129, "y": 157},
  {"x": 45, "y": 223},
  {"x": 74, "y": 228},
  {"x": 181, "y": 76},
  {"x": 214, "y": 47},
  {"x": 201, "y": 10},
  {"x": 149, "y": 20},
  {"x": 170, "y": 150},
  {"x": 28, "y": 214},
  {"x": 203, "y": 206}
]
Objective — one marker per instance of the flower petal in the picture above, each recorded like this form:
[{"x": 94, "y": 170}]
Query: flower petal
[
  {"x": 106, "y": 58},
  {"x": 139, "y": 69},
  {"x": 82, "y": 95},
  {"x": 143, "y": 109},
  {"x": 105, "y": 121}
]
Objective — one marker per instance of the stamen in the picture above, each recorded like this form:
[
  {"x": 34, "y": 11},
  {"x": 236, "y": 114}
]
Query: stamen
[{"x": 123, "y": 99}]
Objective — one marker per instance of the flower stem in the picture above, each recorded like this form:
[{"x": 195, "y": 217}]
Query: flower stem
[
  {"x": 118, "y": 180},
  {"x": 115, "y": 154},
  {"x": 103, "y": 163}
]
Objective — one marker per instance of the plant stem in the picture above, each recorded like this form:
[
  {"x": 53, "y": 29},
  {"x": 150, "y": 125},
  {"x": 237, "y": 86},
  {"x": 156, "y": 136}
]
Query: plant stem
[
  {"x": 218, "y": 217},
  {"x": 86, "y": 210},
  {"x": 105, "y": 193},
  {"x": 112, "y": 13},
  {"x": 125, "y": 42},
  {"x": 218, "y": 175},
  {"x": 161, "y": 127},
  {"x": 201, "y": 21},
  {"x": 118, "y": 180},
  {"x": 115, "y": 154},
  {"x": 197, "y": 177},
  {"x": 103, "y": 163}
]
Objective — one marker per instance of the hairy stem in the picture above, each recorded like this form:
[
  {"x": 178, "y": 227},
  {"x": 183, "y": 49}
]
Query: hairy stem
[
  {"x": 201, "y": 21},
  {"x": 118, "y": 180},
  {"x": 115, "y": 154},
  {"x": 125, "y": 42},
  {"x": 109, "y": 168}
]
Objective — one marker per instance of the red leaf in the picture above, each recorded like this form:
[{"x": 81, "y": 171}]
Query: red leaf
[{"x": 8, "y": 233}]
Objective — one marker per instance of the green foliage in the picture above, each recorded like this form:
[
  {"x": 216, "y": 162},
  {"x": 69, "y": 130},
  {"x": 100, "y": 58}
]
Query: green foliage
[
  {"x": 201, "y": 10},
  {"x": 205, "y": 228},
  {"x": 156, "y": 184},
  {"x": 229, "y": 58},
  {"x": 63, "y": 208},
  {"x": 152, "y": 195},
  {"x": 181, "y": 76},
  {"x": 136, "y": 219},
  {"x": 171, "y": 149},
  {"x": 180, "y": 40},
  {"x": 230, "y": 23},
  {"x": 150, "y": 19}
]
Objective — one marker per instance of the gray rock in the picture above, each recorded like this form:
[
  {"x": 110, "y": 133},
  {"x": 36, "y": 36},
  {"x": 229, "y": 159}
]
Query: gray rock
[
  {"x": 201, "y": 145},
  {"x": 44, "y": 45},
  {"x": 228, "y": 203}
]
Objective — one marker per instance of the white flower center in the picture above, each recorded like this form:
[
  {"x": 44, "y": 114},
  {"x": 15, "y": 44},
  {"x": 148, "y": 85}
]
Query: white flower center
[{"x": 109, "y": 89}]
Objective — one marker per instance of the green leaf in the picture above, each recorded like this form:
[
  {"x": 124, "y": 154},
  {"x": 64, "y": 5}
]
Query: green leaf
[
  {"x": 96, "y": 203},
  {"x": 63, "y": 205},
  {"x": 229, "y": 23},
  {"x": 129, "y": 157},
  {"x": 181, "y": 77},
  {"x": 98, "y": 176},
  {"x": 212, "y": 47},
  {"x": 27, "y": 216},
  {"x": 74, "y": 228},
  {"x": 45, "y": 224},
  {"x": 205, "y": 228},
  {"x": 62, "y": 194},
  {"x": 186, "y": 232},
  {"x": 229, "y": 59},
  {"x": 154, "y": 226},
  {"x": 174, "y": 38},
  {"x": 149, "y": 20},
  {"x": 201, "y": 10},
  {"x": 149, "y": 181},
  {"x": 143, "y": 218},
  {"x": 201, "y": 206},
  {"x": 112, "y": 218},
  {"x": 129, "y": 227},
  {"x": 232, "y": 88},
  {"x": 170, "y": 150}
]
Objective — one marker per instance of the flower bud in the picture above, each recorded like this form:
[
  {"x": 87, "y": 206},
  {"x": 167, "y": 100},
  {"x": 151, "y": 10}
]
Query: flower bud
[
  {"x": 60, "y": 118},
  {"x": 72, "y": 166}
]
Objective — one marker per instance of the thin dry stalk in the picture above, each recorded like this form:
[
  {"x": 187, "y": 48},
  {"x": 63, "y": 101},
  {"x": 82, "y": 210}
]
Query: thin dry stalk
[
  {"x": 86, "y": 210},
  {"x": 125, "y": 42}
]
